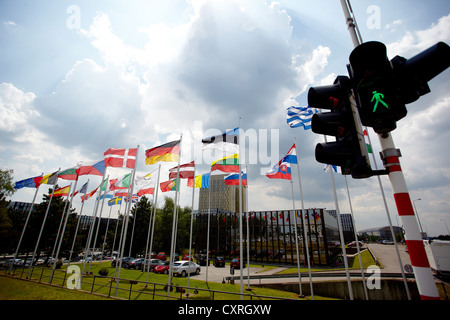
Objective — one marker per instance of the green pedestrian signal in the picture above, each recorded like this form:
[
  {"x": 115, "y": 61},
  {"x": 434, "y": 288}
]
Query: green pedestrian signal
[{"x": 378, "y": 97}]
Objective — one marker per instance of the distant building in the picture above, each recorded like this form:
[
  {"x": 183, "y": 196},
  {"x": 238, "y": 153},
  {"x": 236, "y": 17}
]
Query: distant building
[
  {"x": 22, "y": 206},
  {"x": 223, "y": 198},
  {"x": 271, "y": 235},
  {"x": 347, "y": 226},
  {"x": 380, "y": 233}
]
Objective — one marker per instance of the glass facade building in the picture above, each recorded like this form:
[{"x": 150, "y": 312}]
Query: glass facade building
[{"x": 271, "y": 235}]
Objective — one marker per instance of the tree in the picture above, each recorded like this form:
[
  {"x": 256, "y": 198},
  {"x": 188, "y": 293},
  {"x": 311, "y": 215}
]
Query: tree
[{"x": 6, "y": 224}]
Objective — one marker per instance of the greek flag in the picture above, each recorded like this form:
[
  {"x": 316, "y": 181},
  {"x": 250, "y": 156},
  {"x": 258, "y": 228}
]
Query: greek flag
[{"x": 300, "y": 117}]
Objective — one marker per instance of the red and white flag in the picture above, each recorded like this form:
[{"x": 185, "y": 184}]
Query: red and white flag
[
  {"x": 186, "y": 171},
  {"x": 120, "y": 158}
]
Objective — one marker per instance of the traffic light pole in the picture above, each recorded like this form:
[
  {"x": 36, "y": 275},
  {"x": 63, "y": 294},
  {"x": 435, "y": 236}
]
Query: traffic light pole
[{"x": 419, "y": 261}]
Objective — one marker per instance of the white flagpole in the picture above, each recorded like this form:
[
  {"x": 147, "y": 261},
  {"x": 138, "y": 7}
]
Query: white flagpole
[
  {"x": 78, "y": 224},
  {"x": 42, "y": 227},
  {"x": 241, "y": 253},
  {"x": 61, "y": 237},
  {"x": 305, "y": 235},
  {"x": 128, "y": 208},
  {"x": 248, "y": 234},
  {"x": 174, "y": 223},
  {"x": 154, "y": 218},
  {"x": 208, "y": 228},
  {"x": 296, "y": 242},
  {"x": 24, "y": 228},
  {"x": 190, "y": 231}
]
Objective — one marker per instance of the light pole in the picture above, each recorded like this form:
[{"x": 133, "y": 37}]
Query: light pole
[
  {"x": 448, "y": 232},
  {"x": 417, "y": 214}
]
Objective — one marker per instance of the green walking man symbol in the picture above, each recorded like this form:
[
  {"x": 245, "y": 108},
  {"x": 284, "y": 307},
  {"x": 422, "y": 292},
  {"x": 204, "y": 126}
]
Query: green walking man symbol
[{"x": 378, "y": 97}]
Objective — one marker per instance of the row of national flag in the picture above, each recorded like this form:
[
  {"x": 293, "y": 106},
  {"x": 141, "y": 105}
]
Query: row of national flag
[{"x": 126, "y": 158}]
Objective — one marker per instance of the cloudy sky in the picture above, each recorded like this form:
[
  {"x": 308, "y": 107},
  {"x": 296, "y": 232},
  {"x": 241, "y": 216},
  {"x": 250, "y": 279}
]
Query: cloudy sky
[{"x": 79, "y": 77}]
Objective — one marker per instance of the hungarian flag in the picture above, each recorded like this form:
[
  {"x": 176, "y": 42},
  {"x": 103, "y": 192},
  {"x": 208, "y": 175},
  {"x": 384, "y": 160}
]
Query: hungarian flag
[
  {"x": 62, "y": 192},
  {"x": 96, "y": 168},
  {"x": 226, "y": 164},
  {"x": 233, "y": 179},
  {"x": 168, "y": 152},
  {"x": 170, "y": 185},
  {"x": 120, "y": 158},
  {"x": 68, "y": 174},
  {"x": 122, "y": 183},
  {"x": 186, "y": 171}
]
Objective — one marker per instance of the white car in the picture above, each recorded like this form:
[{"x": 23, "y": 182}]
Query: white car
[{"x": 182, "y": 268}]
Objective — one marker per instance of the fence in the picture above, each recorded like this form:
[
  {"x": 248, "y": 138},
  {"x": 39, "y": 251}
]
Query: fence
[{"x": 127, "y": 289}]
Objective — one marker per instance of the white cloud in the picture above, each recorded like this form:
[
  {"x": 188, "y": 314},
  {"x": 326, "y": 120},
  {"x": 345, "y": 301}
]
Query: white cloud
[
  {"x": 415, "y": 41},
  {"x": 15, "y": 107}
]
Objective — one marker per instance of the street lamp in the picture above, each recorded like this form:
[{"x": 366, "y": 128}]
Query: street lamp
[
  {"x": 417, "y": 214},
  {"x": 448, "y": 232}
]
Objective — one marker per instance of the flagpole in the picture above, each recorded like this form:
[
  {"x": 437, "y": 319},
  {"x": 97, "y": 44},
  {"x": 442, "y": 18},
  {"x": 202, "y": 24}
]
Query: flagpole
[
  {"x": 154, "y": 218},
  {"x": 341, "y": 236},
  {"x": 78, "y": 224},
  {"x": 248, "y": 235},
  {"x": 104, "y": 238},
  {"x": 296, "y": 242},
  {"x": 190, "y": 232},
  {"x": 306, "y": 249},
  {"x": 241, "y": 253},
  {"x": 358, "y": 249},
  {"x": 42, "y": 228},
  {"x": 128, "y": 208},
  {"x": 24, "y": 228},
  {"x": 61, "y": 237},
  {"x": 208, "y": 227},
  {"x": 175, "y": 217}
]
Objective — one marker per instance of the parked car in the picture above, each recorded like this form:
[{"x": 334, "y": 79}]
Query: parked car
[
  {"x": 201, "y": 260},
  {"x": 152, "y": 263},
  {"x": 161, "y": 256},
  {"x": 134, "y": 264},
  {"x": 124, "y": 261},
  {"x": 183, "y": 268},
  {"x": 235, "y": 264},
  {"x": 353, "y": 244},
  {"x": 162, "y": 268},
  {"x": 219, "y": 262},
  {"x": 186, "y": 258},
  {"x": 387, "y": 242}
]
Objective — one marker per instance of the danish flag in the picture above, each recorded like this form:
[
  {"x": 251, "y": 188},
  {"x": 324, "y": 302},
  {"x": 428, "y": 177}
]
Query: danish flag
[{"x": 120, "y": 158}]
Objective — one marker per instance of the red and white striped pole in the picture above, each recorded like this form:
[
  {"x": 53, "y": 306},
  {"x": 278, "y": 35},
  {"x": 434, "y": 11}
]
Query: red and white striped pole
[{"x": 419, "y": 261}]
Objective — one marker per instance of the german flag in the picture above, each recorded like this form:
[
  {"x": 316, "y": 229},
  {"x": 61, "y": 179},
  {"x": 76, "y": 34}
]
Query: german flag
[{"x": 168, "y": 152}]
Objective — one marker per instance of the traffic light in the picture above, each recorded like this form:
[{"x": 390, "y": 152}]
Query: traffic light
[
  {"x": 348, "y": 151},
  {"x": 383, "y": 87},
  {"x": 375, "y": 87}
]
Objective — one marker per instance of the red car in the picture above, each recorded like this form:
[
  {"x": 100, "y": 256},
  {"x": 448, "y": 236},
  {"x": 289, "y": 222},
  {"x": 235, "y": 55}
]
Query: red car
[
  {"x": 161, "y": 256},
  {"x": 235, "y": 264},
  {"x": 162, "y": 268},
  {"x": 186, "y": 258}
]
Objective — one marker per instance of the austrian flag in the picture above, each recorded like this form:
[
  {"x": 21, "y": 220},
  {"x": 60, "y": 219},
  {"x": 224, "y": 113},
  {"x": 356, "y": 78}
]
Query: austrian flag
[{"x": 120, "y": 158}]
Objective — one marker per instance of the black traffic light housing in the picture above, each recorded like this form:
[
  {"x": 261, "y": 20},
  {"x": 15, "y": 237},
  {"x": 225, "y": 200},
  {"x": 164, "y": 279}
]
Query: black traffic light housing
[
  {"x": 347, "y": 151},
  {"x": 383, "y": 87},
  {"x": 375, "y": 86}
]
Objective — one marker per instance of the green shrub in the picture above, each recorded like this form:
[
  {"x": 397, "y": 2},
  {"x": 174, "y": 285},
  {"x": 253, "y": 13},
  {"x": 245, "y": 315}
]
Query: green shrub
[{"x": 103, "y": 272}]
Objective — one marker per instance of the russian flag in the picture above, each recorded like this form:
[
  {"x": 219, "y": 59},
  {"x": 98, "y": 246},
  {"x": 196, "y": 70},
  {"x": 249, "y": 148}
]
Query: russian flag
[{"x": 233, "y": 179}]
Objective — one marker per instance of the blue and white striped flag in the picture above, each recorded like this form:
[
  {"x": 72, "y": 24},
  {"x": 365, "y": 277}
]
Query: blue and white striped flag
[{"x": 300, "y": 117}]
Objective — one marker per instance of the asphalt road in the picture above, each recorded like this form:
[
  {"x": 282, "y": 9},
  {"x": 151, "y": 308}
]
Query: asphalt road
[{"x": 387, "y": 255}]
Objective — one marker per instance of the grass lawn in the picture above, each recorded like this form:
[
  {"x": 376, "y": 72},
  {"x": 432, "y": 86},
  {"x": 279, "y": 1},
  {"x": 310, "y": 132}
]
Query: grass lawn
[{"x": 20, "y": 289}]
